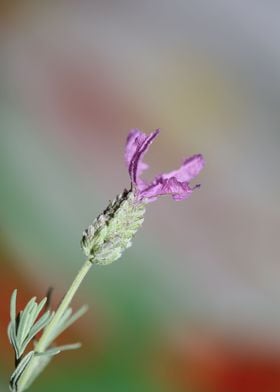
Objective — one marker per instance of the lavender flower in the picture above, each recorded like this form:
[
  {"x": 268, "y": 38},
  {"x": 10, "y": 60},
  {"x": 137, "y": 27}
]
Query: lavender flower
[
  {"x": 112, "y": 231},
  {"x": 102, "y": 242},
  {"x": 175, "y": 183}
]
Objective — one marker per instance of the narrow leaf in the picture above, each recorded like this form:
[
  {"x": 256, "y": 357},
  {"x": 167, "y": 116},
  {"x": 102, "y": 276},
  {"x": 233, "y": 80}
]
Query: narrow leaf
[
  {"x": 13, "y": 311},
  {"x": 19, "y": 370},
  {"x": 23, "y": 319},
  {"x": 71, "y": 320}
]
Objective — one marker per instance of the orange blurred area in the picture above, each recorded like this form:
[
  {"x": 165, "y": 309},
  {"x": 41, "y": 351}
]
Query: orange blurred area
[
  {"x": 10, "y": 278},
  {"x": 212, "y": 364}
]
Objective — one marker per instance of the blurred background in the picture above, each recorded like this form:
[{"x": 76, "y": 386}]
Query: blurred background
[{"x": 194, "y": 305}]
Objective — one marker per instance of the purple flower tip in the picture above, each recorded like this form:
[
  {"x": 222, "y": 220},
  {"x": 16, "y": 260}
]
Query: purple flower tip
[{"x": 175, "y": 183}]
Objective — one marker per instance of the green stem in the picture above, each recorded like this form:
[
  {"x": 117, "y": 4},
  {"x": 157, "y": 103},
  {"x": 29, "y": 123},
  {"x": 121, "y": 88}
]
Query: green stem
[{"x": 43, "y": 342}]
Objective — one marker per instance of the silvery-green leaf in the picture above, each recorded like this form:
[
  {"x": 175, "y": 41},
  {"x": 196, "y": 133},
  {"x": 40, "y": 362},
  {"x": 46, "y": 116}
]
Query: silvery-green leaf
[
  {"x": 66, "y": 347},
  {"x": 23, "y": 328},
  {"x": 24, "y": 321},
  {"x": 41, "y": 363},
  {"x": 19, "y": 370},
  {"x": 41, "y": 323},
  {"x": 13, "y": 311},
  {"x": 68, "y": 321}
]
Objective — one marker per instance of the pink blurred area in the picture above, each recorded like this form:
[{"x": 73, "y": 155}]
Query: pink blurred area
[{"x": 76, "y": 77}]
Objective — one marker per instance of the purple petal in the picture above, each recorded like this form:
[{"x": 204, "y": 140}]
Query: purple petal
[
  {"x": 175, "y": 183},
  {"x": 136, "y": 146},
  {"x": 178, "y": 190},
  {"x": 189, "y": 169},
  {"x": 134, "y": 139}
]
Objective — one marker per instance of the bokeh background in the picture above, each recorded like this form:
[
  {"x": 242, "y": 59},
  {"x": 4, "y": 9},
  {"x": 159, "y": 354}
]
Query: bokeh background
[{"x": 194, "y": 305}]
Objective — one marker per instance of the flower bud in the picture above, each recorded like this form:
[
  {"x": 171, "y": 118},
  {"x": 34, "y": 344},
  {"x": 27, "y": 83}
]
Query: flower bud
[{"x": 112, "y": 231}]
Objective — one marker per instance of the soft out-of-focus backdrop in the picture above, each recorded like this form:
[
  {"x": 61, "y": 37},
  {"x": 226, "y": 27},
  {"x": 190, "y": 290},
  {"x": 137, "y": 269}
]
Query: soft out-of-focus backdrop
[{"x": 194, "y": 305}]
